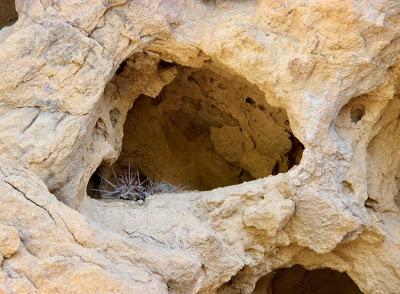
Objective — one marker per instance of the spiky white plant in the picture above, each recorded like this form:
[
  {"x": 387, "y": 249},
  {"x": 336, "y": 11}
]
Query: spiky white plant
[{"x": 129, "y": 186}]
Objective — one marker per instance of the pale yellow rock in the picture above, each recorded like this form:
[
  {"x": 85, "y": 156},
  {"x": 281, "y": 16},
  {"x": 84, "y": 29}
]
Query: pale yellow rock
[
  {"x": 270, "y": 215},
  {"x": 9, "y": 240},
  {"x": 283, "y": 114}
]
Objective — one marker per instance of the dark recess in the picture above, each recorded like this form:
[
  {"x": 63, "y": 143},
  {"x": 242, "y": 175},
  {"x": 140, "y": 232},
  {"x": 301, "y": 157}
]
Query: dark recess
[
  {"x": 120, "y": 68},
  {"x": 357, "y": 112},
  {"x": 8, "y": 14},
  {"x": 298, "y": 280}
]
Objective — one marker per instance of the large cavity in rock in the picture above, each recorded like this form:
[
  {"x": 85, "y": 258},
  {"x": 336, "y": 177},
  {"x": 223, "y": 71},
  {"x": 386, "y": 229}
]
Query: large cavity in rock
[
  {"x": 203, "y": 130},
  {"x": 8, "y": 14},
  {"x": 299, "y": 280}
]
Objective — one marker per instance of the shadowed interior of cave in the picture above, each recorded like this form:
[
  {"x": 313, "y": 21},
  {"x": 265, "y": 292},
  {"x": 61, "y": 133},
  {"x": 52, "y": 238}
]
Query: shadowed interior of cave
[
  {"x": 298, "y": 280},
  {"x": 204, "y": 131},
  {"x": 8, "y": 14}
]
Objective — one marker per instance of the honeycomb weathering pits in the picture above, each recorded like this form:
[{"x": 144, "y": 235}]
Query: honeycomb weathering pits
[{"x": 75, "y": 75}]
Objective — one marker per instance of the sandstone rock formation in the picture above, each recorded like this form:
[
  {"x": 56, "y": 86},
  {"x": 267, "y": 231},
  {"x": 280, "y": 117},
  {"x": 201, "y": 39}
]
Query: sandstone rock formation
[{"x": 279, "y": 118}]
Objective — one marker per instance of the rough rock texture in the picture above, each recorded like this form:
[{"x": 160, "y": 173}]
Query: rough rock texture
[
  {"x": 206, "y": 94},
  {"x": 204, "y": 131}
]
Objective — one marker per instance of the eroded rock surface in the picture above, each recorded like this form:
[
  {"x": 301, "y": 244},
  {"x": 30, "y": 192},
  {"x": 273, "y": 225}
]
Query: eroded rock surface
[
  {"x": 205, "y": 131},
  {"x": 205, "y": 94}
]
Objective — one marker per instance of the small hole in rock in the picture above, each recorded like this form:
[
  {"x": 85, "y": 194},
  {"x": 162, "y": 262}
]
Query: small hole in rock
[
  {"x": 164, "y": 64},
  {"x": 357, "y": 112},
  {"x": 100, "y": 129},
  {"x": 348, "y": 187},
  {"x": 250, "y": 100},
  {"x": 371, "y": 203},
  {"x": 114, "y": 116}
]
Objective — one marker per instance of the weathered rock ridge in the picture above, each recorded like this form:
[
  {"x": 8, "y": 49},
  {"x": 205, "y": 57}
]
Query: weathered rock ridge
[{"x": 280, "y": 119}]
